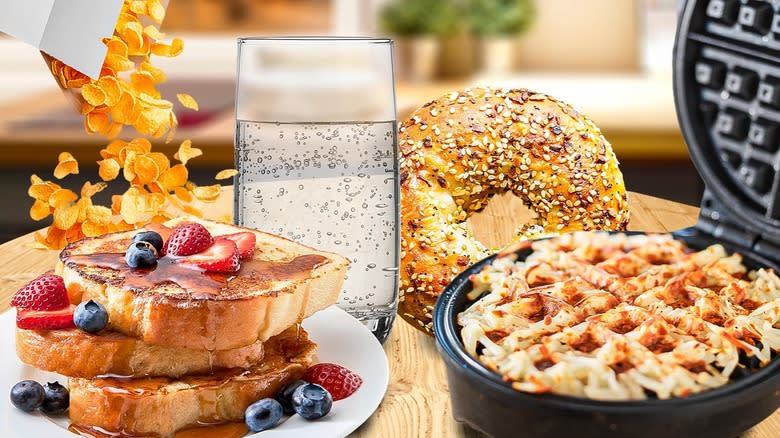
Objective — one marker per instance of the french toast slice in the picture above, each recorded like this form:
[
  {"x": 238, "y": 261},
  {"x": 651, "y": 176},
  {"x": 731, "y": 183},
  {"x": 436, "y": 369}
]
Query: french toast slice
[
  {"x": 162, "y": 406},
  {"x": 76, "y": 353},
  {"x": 251, "y": 305}
]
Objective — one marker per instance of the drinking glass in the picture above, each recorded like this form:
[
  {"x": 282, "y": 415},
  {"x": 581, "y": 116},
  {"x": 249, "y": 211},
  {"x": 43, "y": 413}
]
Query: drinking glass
[{"x": 316, "y": 154}]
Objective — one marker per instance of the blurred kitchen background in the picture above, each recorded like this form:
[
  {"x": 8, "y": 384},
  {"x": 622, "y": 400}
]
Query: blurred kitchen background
[{"x": 610, "y": 59}]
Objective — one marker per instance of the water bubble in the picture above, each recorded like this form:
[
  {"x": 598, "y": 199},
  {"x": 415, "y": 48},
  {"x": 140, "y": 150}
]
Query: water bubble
[{"x": 305, "y": 160}]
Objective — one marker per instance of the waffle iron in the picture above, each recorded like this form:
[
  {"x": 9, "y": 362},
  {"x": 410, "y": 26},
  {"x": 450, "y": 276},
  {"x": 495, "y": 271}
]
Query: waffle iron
[{"x": 727, "y": 94}]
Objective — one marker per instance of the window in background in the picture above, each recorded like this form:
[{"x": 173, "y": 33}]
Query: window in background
[
  {"x": 582, "y": 36},
  {"x": 660, "y": 25}
]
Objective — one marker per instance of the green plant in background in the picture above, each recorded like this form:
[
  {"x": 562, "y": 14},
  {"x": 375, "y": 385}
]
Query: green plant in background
[
  {"x": 420, "y": 17},
  {"x": 491, "y": 18}
]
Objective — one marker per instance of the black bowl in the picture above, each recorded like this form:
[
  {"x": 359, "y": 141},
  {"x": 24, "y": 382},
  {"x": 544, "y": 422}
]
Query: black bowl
[{"x": 481, "y": 399}]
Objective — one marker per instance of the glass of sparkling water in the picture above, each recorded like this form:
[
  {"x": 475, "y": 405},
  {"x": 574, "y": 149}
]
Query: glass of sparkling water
[{"x": 316, "y": 154}]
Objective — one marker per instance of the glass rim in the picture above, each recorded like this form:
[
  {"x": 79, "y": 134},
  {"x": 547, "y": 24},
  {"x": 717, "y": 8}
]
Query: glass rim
[{"x": 316, "y": 39}]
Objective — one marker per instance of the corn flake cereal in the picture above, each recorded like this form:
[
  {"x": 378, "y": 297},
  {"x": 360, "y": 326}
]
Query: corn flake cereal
[
  {"x": 225, "y": 174},
  {"x": 66, "y": 165},
  {"x": 187, "y": 152},
  {"x": 188, "y": 101},
  {"x": 125, "y": 94},
  {"x": 128, "y": 80}
]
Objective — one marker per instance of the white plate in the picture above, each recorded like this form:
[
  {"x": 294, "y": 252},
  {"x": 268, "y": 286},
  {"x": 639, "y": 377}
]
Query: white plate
[{"x": 341, "y": 339}]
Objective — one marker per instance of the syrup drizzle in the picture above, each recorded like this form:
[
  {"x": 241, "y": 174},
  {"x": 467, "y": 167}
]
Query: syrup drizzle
[
  {"x": 200, "y": 284},
  {"x": 224, "y": 430}
]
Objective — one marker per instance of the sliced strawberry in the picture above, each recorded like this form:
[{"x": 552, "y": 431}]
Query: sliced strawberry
[
  {"x": 46, "y": 292},
  {"x": 45, "y": 320},
  {"x": 188, "y": 239},
  {"x": 339, "y": 381},
  {"x": 222, "y": 256},
  {"x": 245, "y": 241}
]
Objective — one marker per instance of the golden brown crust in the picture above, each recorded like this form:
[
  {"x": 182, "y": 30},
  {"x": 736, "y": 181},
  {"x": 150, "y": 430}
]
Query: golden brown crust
[
  {"x": 161, "y": 406},
  {"x": 458, "y": 151},
  {"x": 164, "y": 316},
  {"x": 76, "y": 353},
  {"x": 268, "y": 247}
]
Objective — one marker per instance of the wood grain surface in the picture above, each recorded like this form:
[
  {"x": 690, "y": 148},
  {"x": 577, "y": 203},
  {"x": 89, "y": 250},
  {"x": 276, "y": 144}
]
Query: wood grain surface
[{"x": 417, "y": 401}]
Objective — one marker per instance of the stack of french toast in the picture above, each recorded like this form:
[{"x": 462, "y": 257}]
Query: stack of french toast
[{"x": 189, "y": 340}]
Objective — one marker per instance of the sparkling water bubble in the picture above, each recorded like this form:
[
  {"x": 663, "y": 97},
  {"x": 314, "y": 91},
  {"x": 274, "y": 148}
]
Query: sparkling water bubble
[{"x": 326, "y": 186}]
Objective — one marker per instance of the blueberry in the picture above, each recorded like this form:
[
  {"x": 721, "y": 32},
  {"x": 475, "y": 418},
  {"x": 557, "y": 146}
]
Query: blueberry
[
  {"x": 57, "y": 398},
  {"x": 141, "y": 255},
  {"x": 151, "y": 237},
  {"x": 311, "y": 401},
  {"x": 90, "y": 316},
  {"x": 285, "y": 396},
  {"x": 27, "y": 395},
  {"x": 263, "y": 414}
]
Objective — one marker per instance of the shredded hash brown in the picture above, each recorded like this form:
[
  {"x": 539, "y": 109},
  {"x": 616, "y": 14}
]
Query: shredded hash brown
[{"x": 621, "y": 317}]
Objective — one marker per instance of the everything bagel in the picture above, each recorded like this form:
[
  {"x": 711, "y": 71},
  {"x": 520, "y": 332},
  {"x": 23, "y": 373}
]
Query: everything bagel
[{"x": 457, "y": 151}]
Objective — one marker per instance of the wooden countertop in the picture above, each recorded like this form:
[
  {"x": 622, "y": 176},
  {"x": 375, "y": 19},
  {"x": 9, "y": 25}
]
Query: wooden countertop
[{"x": 417, "y": 400}]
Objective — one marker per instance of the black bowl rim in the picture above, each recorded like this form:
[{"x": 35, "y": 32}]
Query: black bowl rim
[{"x": 451, "y": 347}]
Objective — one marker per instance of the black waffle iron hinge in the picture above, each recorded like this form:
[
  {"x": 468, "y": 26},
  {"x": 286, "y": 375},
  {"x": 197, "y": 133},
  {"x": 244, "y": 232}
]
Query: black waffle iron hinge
[{"x": 715, "y": 221}]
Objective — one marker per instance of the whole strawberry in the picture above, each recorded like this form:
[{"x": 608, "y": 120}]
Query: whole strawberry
[
  {"x": 46, "y": 292},
  {"x": 339, "y": 381},
  {"x": 188, "y": 239}
]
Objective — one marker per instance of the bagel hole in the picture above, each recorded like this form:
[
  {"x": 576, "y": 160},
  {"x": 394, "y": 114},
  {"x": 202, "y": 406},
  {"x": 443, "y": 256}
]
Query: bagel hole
[{"x": 496, "y": 224}]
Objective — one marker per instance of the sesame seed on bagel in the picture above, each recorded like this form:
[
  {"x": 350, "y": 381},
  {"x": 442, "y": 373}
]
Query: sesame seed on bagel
[{"x": 459, "y": 150}]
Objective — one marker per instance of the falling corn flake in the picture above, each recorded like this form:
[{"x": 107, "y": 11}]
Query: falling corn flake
[
  {"x": 207, "y": 193},
  {"x": 188, "y": 101},
  {"x": 187, "y": 152},
  {"x": 66, "y": 165},
  {"x": 125, "y": 94},
  {"x": 108, "y": 169},
  {"x": 225, "y": 174},
  {"x": 88, "y": 190},
  {"x": 127, "y": 84}
]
